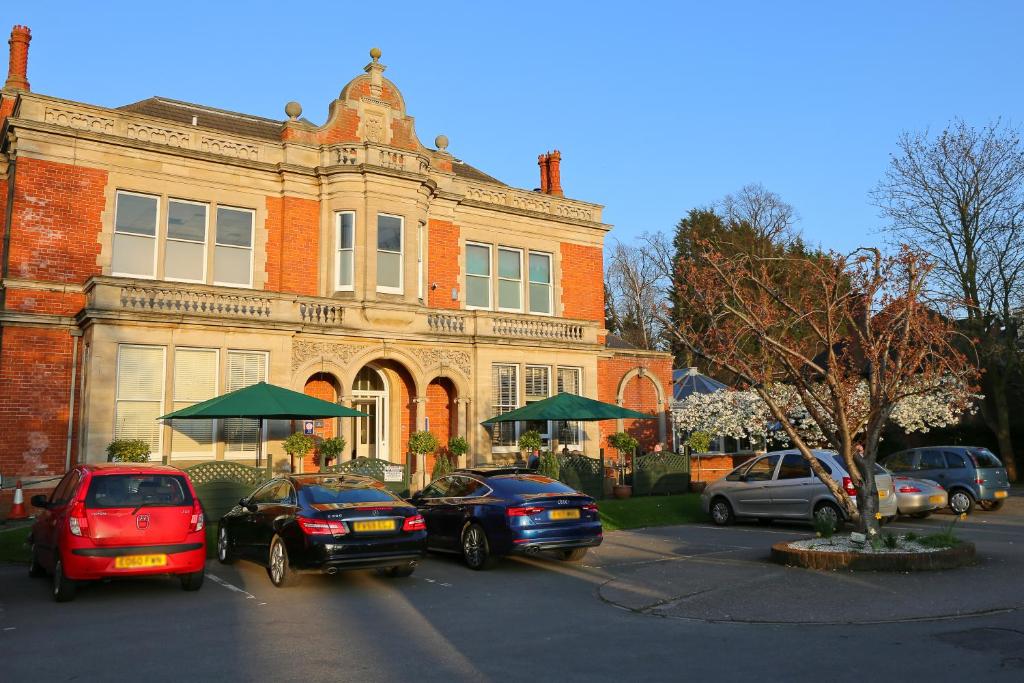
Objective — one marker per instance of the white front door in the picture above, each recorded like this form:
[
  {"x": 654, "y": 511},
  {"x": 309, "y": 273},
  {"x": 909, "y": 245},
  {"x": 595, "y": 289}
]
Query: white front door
[{"x": 370, "y": 435}]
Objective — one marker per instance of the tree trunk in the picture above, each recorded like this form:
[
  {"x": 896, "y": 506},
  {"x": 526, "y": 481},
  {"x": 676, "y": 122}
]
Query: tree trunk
[{"x": 1002, "y": 430}]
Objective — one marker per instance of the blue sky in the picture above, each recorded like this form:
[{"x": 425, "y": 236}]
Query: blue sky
[{"x": 657, "y": 107}]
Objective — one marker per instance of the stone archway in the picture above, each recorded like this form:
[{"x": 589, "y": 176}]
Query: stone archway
[
  {"x": 642, "y": 390},
  {"x": 441, "y": 414},
  {"x": 385, "y": 389},
  {"x": 326, "y": 387}
]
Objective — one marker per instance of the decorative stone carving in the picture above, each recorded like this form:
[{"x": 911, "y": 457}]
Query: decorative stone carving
[
  {"x": 393, "y": 160},
  {"x": 531, "y": 201},
  {"x": 79, "y": 120},
  {"x": 338, "y": 354},
  {"x": 162, "y": 136},
  {"x": 229, "y": 148},
  {"x": 156, "y": 299},
  {"x": 347, "y": 156},
  {"x": 373, "y": 128},
  {"x": 430, "y": 358}
]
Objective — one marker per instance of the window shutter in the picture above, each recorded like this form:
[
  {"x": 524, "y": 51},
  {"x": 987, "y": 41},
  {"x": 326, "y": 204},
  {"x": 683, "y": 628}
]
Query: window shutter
[
  {"x": 195, "y": 380},
  {"x": 245, "y": 368},
  {"x": 139, "y": 400}
]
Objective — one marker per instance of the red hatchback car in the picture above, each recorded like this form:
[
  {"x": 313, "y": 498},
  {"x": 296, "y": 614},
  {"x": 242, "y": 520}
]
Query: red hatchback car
[{"x": 111, "y": 520}]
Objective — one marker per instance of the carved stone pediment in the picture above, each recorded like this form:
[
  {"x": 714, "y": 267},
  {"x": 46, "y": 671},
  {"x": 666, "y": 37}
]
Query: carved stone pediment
[
  {"x": 338, "y": 354},
  {"x": 452, "y": 358}
]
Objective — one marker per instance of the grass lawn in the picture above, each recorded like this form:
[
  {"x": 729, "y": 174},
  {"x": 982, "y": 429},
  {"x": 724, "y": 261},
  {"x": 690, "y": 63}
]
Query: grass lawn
[
  {"x": 634, "y": 513},
  {"x": 12, "y": 544}
]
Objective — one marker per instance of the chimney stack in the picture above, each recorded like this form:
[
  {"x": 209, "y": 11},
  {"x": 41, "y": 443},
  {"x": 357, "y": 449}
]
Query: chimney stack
[
  {"x": 542, "y": 161},
  {"x": 554, "y": 173},
  {"x": 17, "y": 69}
]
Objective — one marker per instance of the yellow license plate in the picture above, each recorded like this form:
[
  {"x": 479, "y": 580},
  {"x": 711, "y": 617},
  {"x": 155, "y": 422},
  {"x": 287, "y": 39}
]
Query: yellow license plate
[
  {"x": 564, "y": 514},
  {"x": 883, "y": 493},
  {"x": 1000, "y": 494},
  {"x": 138, "y": 561},
  {"x": 938, "y": 500},
  {"x": 375, "y": 525}
]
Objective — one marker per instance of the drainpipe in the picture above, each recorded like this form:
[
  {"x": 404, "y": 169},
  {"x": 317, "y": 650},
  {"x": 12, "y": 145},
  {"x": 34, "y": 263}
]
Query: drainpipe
[{"x": 75, "y": 334}]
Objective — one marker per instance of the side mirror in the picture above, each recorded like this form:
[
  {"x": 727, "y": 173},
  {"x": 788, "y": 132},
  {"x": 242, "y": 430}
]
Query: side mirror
[
  {"x": 243, "y": 502},
  {"x": 40, "y": 501}
]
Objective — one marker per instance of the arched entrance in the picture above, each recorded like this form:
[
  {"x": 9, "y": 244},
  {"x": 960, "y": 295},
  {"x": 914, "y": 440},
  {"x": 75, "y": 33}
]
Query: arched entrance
[
  {"x": 324, "y": 386},
  {"x": 370, "y": 395},
  {"x": 441, "y": 414}
]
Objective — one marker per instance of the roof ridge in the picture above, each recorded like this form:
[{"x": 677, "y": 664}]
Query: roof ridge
[{"x": 182, "y": 103}]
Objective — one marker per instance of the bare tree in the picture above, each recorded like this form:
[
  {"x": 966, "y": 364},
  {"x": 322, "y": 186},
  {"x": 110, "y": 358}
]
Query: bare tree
[
  {"x": 763, "y": 211},
  {"x": 960, "y": 196},
  {"x": 637, "y": 284}
]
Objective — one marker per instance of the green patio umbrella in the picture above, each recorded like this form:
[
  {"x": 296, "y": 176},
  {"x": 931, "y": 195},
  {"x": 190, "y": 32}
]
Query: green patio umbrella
[
  {"x": 262, "y": 401},
  {"x": 569, "y": 407}
]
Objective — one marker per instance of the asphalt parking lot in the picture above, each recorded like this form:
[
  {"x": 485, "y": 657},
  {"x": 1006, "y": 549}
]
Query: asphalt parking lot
[{"x": 658, "y": 604}]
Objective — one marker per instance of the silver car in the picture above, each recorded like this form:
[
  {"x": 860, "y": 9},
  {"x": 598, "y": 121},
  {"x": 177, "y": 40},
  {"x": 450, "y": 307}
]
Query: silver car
[
  {"x": 781, "y": 485},
  {"x": 918, "y": 497}
]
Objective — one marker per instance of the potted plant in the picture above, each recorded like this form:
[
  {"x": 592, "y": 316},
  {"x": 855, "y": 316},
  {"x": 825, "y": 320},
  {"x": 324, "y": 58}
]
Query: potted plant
[
  {"x": 128, "y": 450},
  {"x": 624, "y": 444},
  {"x": 297, "y": 446},
  {"x": 458, "y": 447},
  {"x": 699, "y": 442},
  {"x": 421, "y": 443},
  {"x": 442, "y": 466},
  {"x": 329, "y": 450},
  {"x": 529, "y": 444}
]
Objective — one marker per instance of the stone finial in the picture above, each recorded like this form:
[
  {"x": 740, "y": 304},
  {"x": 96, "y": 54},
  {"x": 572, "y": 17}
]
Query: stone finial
[
  {"x": 375, "y": 54},
  {"x": 293, "y": 109},
  {"x": 376, "y": 71},
  {"x": 441, "y": 142}
]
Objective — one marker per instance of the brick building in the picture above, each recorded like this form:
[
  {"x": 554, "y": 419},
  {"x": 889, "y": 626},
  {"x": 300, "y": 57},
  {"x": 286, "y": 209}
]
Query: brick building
[{"x": 161, "y": 253}]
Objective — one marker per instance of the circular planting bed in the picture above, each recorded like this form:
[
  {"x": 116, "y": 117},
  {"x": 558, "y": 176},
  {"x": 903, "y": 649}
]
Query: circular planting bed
[{"x": 817, "y": 554}]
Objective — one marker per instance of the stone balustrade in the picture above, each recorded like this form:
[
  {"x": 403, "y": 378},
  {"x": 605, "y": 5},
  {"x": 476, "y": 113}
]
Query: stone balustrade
[{"x": 114, "y": 297}]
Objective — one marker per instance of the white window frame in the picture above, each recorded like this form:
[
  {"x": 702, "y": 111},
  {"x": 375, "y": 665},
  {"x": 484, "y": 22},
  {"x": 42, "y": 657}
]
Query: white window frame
[
  {"x": 338, "y": 285},
  {"x": 195, "y": 455},
  {"x": 513, "y": 447},
  {"x": 252, "y": 247},
  {"x": 401, "y": 255},
  {"x": 156, "y": 235},
  {"x": 157, "y": 455},
  {"x": 205, "y": 242},
  {"x": 489, "y": 276},
  {"x": 262, "y": 435},
  {"x": 550, "y": 283},
  {"x": 497, "y": 272},
  {"x": 575, "y": 425},
  {"x": 546, "y": 435},
  {"x": 421, "y": 235}
]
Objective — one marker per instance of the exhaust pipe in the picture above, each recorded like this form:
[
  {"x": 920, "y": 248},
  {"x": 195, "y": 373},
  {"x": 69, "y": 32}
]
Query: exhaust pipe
[{"x": 331, "y": 571}]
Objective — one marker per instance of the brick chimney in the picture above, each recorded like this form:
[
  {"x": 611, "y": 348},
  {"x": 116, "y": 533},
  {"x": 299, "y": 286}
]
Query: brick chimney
[
  {"x": 554, "y": 173},
  {"x": 542, "y": 161},
  {"x": 17, "y": 69}
]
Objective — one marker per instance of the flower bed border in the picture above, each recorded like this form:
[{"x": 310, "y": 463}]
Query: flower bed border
[{"x": 960, "y": 555}]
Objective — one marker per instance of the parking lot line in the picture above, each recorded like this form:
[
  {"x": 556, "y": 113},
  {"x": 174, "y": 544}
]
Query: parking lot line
[{"x": 230, "y": 586}]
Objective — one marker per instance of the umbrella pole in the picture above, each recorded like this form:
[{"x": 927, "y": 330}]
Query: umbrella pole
[{"x": 259, "y": 441}]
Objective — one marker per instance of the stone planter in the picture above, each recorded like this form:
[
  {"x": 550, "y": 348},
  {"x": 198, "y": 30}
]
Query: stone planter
[
  {"x": 958, "y": 556},
  {"x": 622, "y": 491}
]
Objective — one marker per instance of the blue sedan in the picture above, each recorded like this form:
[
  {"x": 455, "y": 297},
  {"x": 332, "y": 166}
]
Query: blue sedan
[{"x": 484, "y": 513}]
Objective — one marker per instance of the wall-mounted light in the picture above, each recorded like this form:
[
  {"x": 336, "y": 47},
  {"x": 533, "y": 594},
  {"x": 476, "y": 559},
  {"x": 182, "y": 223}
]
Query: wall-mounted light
[{"x": 455, "y": 293}]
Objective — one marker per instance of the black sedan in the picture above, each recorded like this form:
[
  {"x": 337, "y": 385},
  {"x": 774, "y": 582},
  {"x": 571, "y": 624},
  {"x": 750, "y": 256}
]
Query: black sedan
[
  {"x": 487, "y": 512},
  {"x": 323, "y": 523}
]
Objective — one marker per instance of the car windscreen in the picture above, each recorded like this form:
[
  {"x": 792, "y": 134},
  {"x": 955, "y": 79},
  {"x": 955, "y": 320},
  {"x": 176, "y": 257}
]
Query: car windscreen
[
  {"x": 528, "y": 485},
  {"x": 334, "y": 491},
  {"x": 984, "y": 458},
  {"x": 130, "y": 490}
]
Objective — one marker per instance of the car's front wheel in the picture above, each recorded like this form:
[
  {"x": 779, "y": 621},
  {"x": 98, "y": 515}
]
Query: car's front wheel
[
  {"x": 476, "y": 552},
  {"x": 225, "y": 546},
  {"x": 574, "y": 555},
  {"x": 64, "y": 589},
  {"x": 990, "y": 505},
  {"x": 961, "y": 502},
  {"x": 192, "y": 581},
  {"x": 280, "y": 570},
  {"x": 828, "y": 513},
  {"x": 35, "y": 570},
  {"x": 721, "y": 512}
]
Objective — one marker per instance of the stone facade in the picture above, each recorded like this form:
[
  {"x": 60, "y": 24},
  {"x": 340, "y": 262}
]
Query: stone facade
[{"x": 348, "y": 279}]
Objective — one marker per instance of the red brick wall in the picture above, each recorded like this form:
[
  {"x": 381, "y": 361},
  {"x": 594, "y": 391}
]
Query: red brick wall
[
  {"x": 35, "y": 377},
  {"x": 293, "y": 245},
  {"x": 582, "y": 282},
  {"x": 320, "y": 386},
  {"x": 639, "y": 393},
  {"x": 55, "y": 222},
  {"x": 440, "y": 410},
  {"x": 713, "y": 468},
  {"x": 37, "y": 301},
  {"x": 442, "y": 263}
]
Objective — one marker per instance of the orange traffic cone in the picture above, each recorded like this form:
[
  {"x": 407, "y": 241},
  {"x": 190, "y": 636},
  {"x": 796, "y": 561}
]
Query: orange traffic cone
[{"x": 18, "y": 508}]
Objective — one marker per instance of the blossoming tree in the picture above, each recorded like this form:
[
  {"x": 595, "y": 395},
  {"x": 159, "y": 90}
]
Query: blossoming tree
[{"x": 834, "y": 346}]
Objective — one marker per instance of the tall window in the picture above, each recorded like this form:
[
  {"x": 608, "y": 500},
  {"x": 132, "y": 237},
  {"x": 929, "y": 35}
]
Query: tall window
[
  {"x": 245, "y": 368},
  {"x": 537, "y": 387},
  {"x": 478, "y": 276},
  {"x": 139, "y": 398},
  {"x": 540, "y": 283},
  {"x": 510, "y": 279},
  {"x": 346, "y": 244},
  {"x": 134, "y": 248},
  {"x": 195, "y": 380},
  {"x": 232, "y": 258},
  {"x": 389, "y": 253},
  {"x": 505, "y": 398},
  {"x": 569, "y": 381},
  {"x": 185, "y": 254},
  {"x": 421, "y": 245}
]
